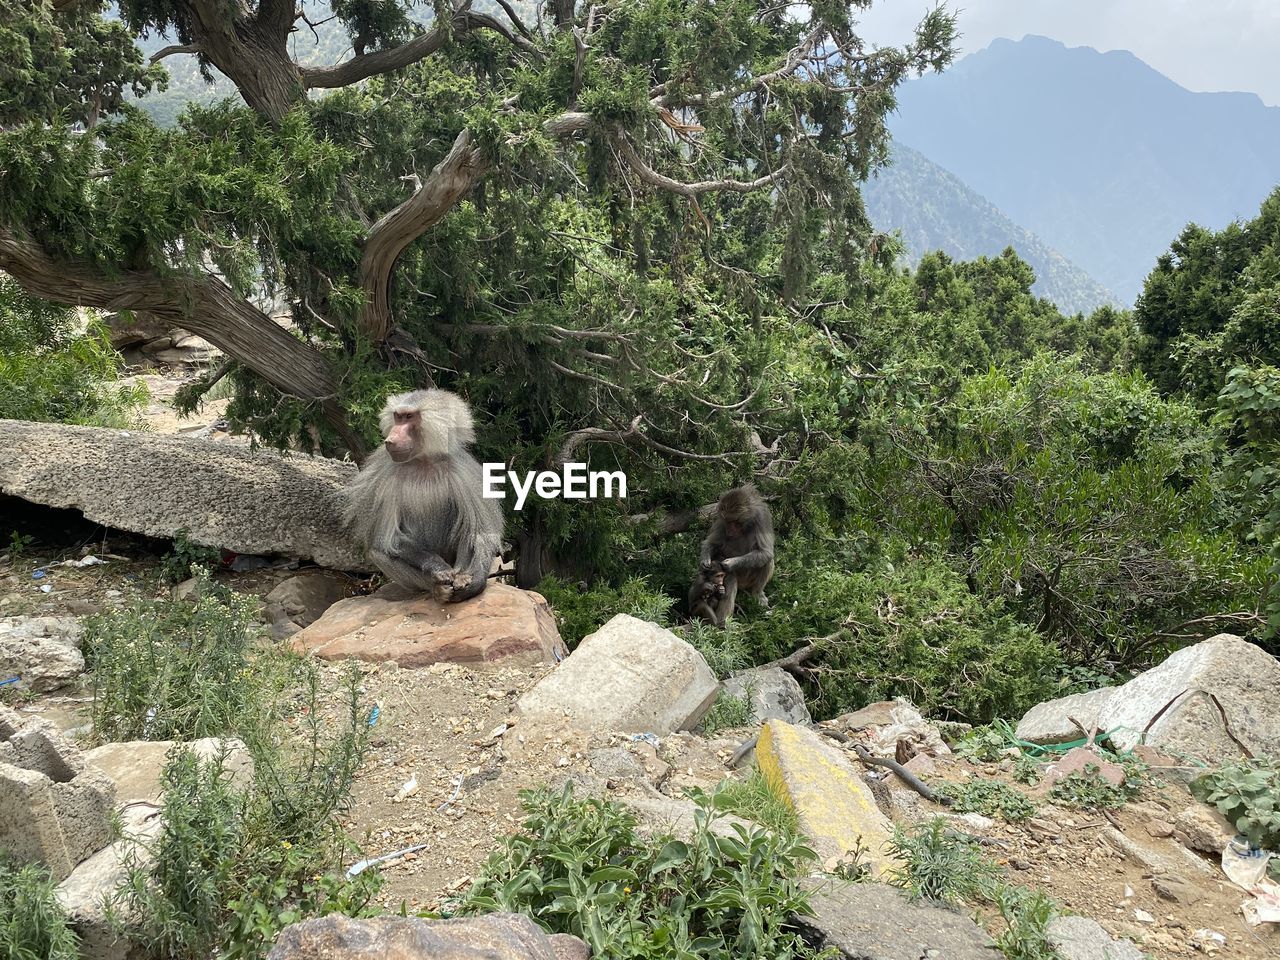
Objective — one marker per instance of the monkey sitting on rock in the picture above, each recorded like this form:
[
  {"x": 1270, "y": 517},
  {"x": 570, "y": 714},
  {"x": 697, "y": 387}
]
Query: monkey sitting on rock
[
  {"x": 417, "y": 503},
  {"x": 737, "y": 553}
]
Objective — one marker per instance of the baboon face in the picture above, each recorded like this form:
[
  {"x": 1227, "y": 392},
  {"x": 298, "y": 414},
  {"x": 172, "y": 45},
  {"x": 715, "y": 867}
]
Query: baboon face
[
  {"x": 425, "y": 423},
  {"x": 404, "y": 439}
]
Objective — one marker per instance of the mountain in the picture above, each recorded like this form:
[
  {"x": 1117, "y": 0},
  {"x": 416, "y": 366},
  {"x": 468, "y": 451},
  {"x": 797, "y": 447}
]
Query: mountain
[
  {"x": 934, "y": 210},
  {"x": 1099, "y": 155}
]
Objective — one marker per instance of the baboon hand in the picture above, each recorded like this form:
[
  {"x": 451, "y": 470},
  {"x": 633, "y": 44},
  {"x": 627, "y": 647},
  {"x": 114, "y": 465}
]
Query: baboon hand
[{"x": 443, "y": 589}]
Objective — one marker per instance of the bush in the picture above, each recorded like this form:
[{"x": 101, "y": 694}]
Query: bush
[
  {"x": 940, "y": 864},
  {"x": 579, "y": 867},
  {"x": 234, "y": 867},
  {"x": 583, "y": 611},
  {"x": 55, "y": 369},
  {"x": 166, "y": 670},
  {"x": 1248, "y": 794},
  {"x": 32, "y": 924}
]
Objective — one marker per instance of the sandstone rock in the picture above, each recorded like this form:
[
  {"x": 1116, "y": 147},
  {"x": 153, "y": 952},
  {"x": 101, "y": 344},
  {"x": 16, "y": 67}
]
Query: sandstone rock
[
  {"x": 1085, "y": 762},
  {"x": 772, "y": 694},
  {"x": 252, "y": 502},
  {"x": 1050, "y": 722},
  {"x": 629, "y": 676},
  {"x": 871, "y": 921},
  {"x": 1079, "y": 938},
  {"x": 413, "y": 630},
  {"x": 872, "y": 715},
  {"x": 498, "y": 936},
  {"x": 1159, "y": 857},
  {"x": 54, "y": 808},
  {"x": 300, "y": 601},
  {"x": 1210, "y": 701},
  {"x": 1203, "y": 828},
  {"x": 835, "y": 808},
  {"x": 43, "y": 651},
  {"x": 1170, "y": 886},
  {"x": 136, "y": 766}
]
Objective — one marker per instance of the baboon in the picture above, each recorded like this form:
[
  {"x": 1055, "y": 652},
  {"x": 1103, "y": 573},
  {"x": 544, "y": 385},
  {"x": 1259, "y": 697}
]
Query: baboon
[
  {"x": 416, "y": 504},
  {"x": 741, "y": 543},
  {"x": 707, "y": 596}
]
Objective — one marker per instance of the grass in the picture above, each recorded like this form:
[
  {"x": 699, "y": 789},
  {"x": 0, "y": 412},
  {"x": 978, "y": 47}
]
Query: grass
[
  {"x": 32, "y": 924},
  {"x": 754, "y": 799}
]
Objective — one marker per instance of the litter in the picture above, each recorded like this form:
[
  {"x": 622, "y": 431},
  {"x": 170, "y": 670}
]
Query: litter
[
  {"x": 407, "y": 789},
  {"x": 358, "y": 868},
  {"x": 89, "y": 561}
]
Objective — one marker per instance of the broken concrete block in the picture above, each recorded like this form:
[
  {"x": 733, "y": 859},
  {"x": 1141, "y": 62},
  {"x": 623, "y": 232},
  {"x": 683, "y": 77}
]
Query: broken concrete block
[
  {"x": 54, "y": 808},
  {"x": 630, "y": 676},
  {"x": 1203, "y": 828},
  {"x": 1051, "y": 722},
  {"x": 44, "y": 652},
  {"x": 835, "y": 808},
  {"x": 1079, "y": 938}
]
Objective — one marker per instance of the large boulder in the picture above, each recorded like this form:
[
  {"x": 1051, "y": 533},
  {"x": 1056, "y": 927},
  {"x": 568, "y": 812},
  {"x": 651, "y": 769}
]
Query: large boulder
[
  {"x": 629, "y": 676},
  {"x": 254, "y": 502},
  {"x": 497, "y": 936},
  {"x": 834, "y": 806},
  {"x": 1061, "y": 720},
  {"x": 871, "y": 921},
  {"x": 771, "y": 693},
  {"x": 412, "y": 629},
  {"x": 43, "y": 652}
]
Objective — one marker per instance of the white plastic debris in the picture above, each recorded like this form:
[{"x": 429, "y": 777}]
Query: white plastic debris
[{"x": 407, "y": 789}]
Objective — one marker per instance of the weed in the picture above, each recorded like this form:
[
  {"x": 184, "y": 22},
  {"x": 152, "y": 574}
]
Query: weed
[
  {"x": 186, "y": 557},
  {"x": 1248, "y": 794},
  {"x": 19, "y": 544},
  {"x": 1089, "y": 791},
  {"x": 987, "y": 744},
  {"x": 580, "y": 867},
  {"x": 32, "y": 924},
  {"x": 726, "y": 713},
  {"x": 991, "y": 798},
  {"x": 1027, "y": 915},
  {"x": 753, "y": 799},
  {"x": 1027, "y": 770},
  {"x": 940, "y": 864}
]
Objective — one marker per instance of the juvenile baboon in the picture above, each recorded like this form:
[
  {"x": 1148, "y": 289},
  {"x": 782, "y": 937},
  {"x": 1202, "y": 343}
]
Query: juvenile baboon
[
  {"x": 707, "y": 597},
  {"x": 741, "y": 542},
  {"x": 416, "y": 505}
]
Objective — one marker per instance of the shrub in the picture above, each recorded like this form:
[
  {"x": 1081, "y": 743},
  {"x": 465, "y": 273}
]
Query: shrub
[
  {"x": 753, "y": 799},
  {"x": 940, "y": 864},
  {"x": 1027, "y": 915},
  {"x": 581, "y": 612},
  {"x": 991, "y": 798},
  {"x": 32, "y": 924},
  {"x": 186, "y": 556},
  {"x": 1248, "y": 794},
  {"x": 54, "y": 368},
  {"x": 233, "y": 867},
  {"x": 579, "y": 866},
  {"x": 177, "y": 670}
]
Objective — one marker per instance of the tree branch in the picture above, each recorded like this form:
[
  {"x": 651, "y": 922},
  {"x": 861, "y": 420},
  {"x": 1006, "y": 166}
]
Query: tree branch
[
  {"x": 174, "y": 48},
  {"x": 652, "y": 177}
]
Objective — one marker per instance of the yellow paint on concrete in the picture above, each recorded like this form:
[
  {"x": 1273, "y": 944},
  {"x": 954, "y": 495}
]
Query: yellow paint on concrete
[{"x": 834, "y": 806}]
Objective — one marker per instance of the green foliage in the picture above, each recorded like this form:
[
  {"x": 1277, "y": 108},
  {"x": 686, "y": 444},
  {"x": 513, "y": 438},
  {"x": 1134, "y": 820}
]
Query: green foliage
[
  {"x": 991, "y": 798},
  {"x": 940, "y": 864},
  {"x": 578, "y": 866},
  {"x": 988, "y": 743},
  {"x": 235, "y": 864},
  {"x": 19, "y": 543},
  {"x": 754, "y": 799},
  {"x": 55, "y": 369},
  {"x": 181, "y": 562},
  {"x": 33, "y": 925},
  {"x": 1090, "y": 791},
  {"x": 726, "y": 713},
  {"x": 1027, "y": 915},
  {"x": 1248, "y": 794},
  {"x": 583, "y": 611},
  {"x": 166, "y": 670}
]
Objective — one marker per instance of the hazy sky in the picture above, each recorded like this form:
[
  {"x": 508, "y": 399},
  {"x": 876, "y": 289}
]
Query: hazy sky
[{"x": 1205, "y": 45}]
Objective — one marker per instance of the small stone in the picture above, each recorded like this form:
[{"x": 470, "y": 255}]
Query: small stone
[
  {"x": 1143, "y": 917},
  {"x": 1159, "y": 828}
]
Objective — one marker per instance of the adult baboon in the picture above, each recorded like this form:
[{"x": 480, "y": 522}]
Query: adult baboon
[
  {"x": 707, "y": 597},
  {"x": 416, "y": 505},
  {"x": 741, "y": 542}
]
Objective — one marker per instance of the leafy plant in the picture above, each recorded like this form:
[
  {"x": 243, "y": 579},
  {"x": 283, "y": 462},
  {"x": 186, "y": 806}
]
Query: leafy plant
[
  {"x": 940, "y": 864},
  {"x": 182, "y": 561},
  {"x": 1090, "y": 791},
  {"x": 578, "y": 866},
  {"x": 991, "y": 798},
  {"x": 1027, "y": 915},
  {"x": 166, "y": 670},
  {"x": 33, "y": 925},
  {"x": 989, "y": 743},
  {"x": 581, "y": 612},
  {"x": 19, "y": 544},
  {"x": 1247, "y": 793}
]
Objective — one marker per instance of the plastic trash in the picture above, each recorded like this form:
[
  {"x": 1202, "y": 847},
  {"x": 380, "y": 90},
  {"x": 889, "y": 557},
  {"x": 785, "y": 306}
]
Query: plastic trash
[
  {"x": 1244, "y": 864},
  {"x": 407, "y": 789},
  {"x": 374, "y": 714},
  {"x": 358, "y": 868},
  {"x": 38, "y": 574}
]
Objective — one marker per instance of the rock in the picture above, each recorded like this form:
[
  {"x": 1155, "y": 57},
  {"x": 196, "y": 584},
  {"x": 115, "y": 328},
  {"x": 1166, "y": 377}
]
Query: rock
[
  {"x": 497, "y": 936},
  {"x": 1083, "y": 761},
  {"x": 413, "y": 630},
  {"x": 835, "y": 808},
  {"x": 1079, "y": 938},
  {"x": 1158, "y": 858},
  {"x": 658, "y": 814},
  {"x": 300, "y": 601},
  {"x": 54, "y": 808},
  {"x": 1050, "y": 722},
  {"x": 772, "y": 694},
  {"x": 1160, "y": 829},
  {"x": 630, "y": 676},
  {"x": 922, "y": 765},
  {"x": 82, "y": 894},
  {"x": 43, "y": 651},
  {"x": 253, "y": 502},
  {"x": 1203, "y": 828},
  {"x": 872, "y": 715},
  {"x": 136, "y": 766},
  {"x": 1211, "y": 701},
  {"x": 1170, "y": 886},
  {"x": 871, "y": 921}
]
